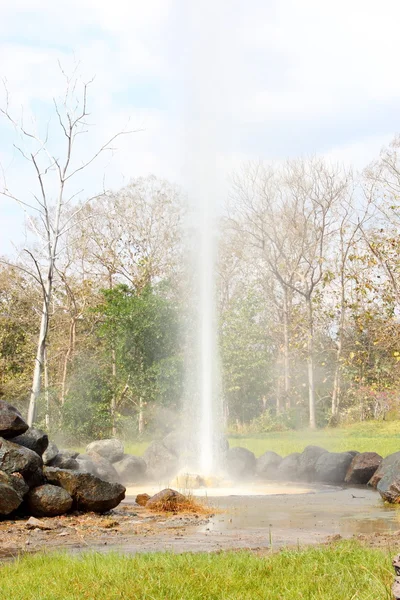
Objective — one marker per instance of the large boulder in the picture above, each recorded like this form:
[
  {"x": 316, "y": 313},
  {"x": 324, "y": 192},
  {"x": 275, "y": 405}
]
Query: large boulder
[
  {"x": 160, "y": 461},
  {"x": 50, "y": 453},
  {"x": 34, "y": 439},
  {"x": 111, "y": 449},
  {"x": 362, "y": 467},
  {"x": 18, "y": 459},
  {"x": 48, "y": 501},
  {"x": 307, "y": 462},
  {"x": 332, "y": 467},
  {"x": 289, "y": 467},
  {"x": 389, "y": 484},
  {"x": 16, "y": 481},
  {"x": 99, "y": 466},
  {"x": 165, "y": 500},
  {"x": 88, "y": 491},
  {"x": 11, "y": 421},
  {"x": 9, "y": 499},
  {"x": 131, "y": 469},
  {"x": 240, "y": 463},
  {"x": 176, "y": 443},
  {"x": 383, "y": 468},
  {"x": 267, "y": 465},
  {"x": 64, "y": 460}
]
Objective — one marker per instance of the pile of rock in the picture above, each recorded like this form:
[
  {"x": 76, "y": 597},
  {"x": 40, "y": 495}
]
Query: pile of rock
[
  {"x": 313, "y": 465},
  {"x": 36, "y": 479}
]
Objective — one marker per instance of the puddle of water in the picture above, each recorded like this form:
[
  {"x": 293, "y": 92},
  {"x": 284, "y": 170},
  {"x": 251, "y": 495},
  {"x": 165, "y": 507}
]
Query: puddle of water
[{"x": 292, "y": 510}]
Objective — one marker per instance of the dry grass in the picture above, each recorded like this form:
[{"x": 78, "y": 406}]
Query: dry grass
[{"x": 187, "y": 505}]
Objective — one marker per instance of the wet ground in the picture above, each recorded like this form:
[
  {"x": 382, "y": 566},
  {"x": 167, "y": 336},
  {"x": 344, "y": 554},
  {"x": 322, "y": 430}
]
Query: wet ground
[{"x": 256, "y": 518}]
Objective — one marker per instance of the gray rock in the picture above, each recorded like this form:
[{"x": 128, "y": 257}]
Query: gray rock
[
  {"x": 389, "y": 484},
  {"x": 332, "y": 467},
  {"x": 34, "y": 523},
  {"x": 160, "y": 461},
  {"x": 10, "y": 500},
  {"x": 111, "y": 449},
  {"x": 175, "y": 442},
  {"x": 64, "y": 460},
  {"x": 18, "y": 459},
  {"x": 166, "y": 499},
  {"x": 362, "y": 467},
  {"x": 48, "y": 501},
  {"x": 88, "y": 492},
  {"x": 11, "y": 421},
  {"x": 34, "y": 439},
  {"x": 288, "y": 469},
  {"x": 384, "y": 468},
  {"x": 100, "y": 467},
  {"x": 307, "y": 462},
  {"x": 50, "y": 453},
  {"x": 16, "y": 481},
  {"x": 267, "y": 465},
  {"x": 131, "y": 469},
  {"x": 240, "y": 463}
]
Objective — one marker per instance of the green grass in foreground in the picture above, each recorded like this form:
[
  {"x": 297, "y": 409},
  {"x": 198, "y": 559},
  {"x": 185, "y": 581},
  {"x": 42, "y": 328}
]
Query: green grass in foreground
[{"x": 345, "y": 571}]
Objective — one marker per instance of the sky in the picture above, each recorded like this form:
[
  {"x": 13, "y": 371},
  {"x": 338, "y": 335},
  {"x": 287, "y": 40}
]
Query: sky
[{"x": 217, "y": 83}]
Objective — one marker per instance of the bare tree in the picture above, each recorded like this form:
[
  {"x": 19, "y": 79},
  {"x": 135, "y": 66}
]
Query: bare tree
[
  {"x": 49, "y": 217},
  {"x": 289, "y": 215}
]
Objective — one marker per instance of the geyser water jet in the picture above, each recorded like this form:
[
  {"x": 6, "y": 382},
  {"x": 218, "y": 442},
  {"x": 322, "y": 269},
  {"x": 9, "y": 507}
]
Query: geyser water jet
[{"x": 204, "y": 112}]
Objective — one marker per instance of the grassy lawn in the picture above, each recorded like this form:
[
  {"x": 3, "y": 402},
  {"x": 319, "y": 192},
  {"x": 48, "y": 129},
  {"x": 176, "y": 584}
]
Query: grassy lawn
[
  {"x": 345, "y": 571},
  {"x": 381, "y": 437}
]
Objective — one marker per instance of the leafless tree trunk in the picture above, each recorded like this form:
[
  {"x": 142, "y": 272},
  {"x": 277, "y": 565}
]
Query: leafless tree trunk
[
  {"x": 46, "y": 390},
  {"x": 310, "y": 363},
  {"x": 141, "y": 417},
  {"x": 286, "y": 346}
]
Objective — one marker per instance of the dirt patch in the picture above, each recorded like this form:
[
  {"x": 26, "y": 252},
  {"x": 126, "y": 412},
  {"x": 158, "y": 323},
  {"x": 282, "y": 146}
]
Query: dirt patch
[{"x": 265, "y": 522}]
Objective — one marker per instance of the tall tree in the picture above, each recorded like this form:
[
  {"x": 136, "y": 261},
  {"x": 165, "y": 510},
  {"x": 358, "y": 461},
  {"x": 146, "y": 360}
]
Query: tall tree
[{"x": 52, "y": 220}]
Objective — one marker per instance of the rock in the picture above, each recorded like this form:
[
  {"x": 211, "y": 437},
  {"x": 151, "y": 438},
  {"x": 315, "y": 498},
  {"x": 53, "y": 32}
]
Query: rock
[
  {"x": 50, "y": 453},
  {"x": 142, "y": 499},
  {"x": 9, "y": 499},
  {"x": 362, "y": 467},
  {"x": 102, "y": 467},
  {"x": 240, "y": 463},
  {"x": 88, "y": 491},
  {"x": 289, "y": 467},
  {"x": 34, "y": 439},
  {"x": 160, "y": 461},
  {"x": 11, "y": 421},
  {"x": 307, "y": 462},
  {"x": 33, "y": 523},
  {"x": 165, "y": 500},
  {"x": 16, "y": 481},
  {"x": 267, "y": 464},
  {"x": 332, "y": 467},
  {"x": 48, "y": 501},
  {"x": 189, "y": 481},
  {"x": 383, "y": 468},
  {"x": 131, "y": 469},
  {"x": 18, "y": 459},
  {"x": 112, "y": 449},
  {"x": 389, "y": 484},
  {"x": 175, "y": 442},
  {"x": 64, "y": 460}
]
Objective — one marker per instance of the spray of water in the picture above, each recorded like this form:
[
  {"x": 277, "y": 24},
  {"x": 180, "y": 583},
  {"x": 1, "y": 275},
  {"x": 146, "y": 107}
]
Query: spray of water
[{"x": 203, "y": 131}]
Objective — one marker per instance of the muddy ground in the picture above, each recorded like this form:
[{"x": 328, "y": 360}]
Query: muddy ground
[{"x": 264, "y": 522}]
